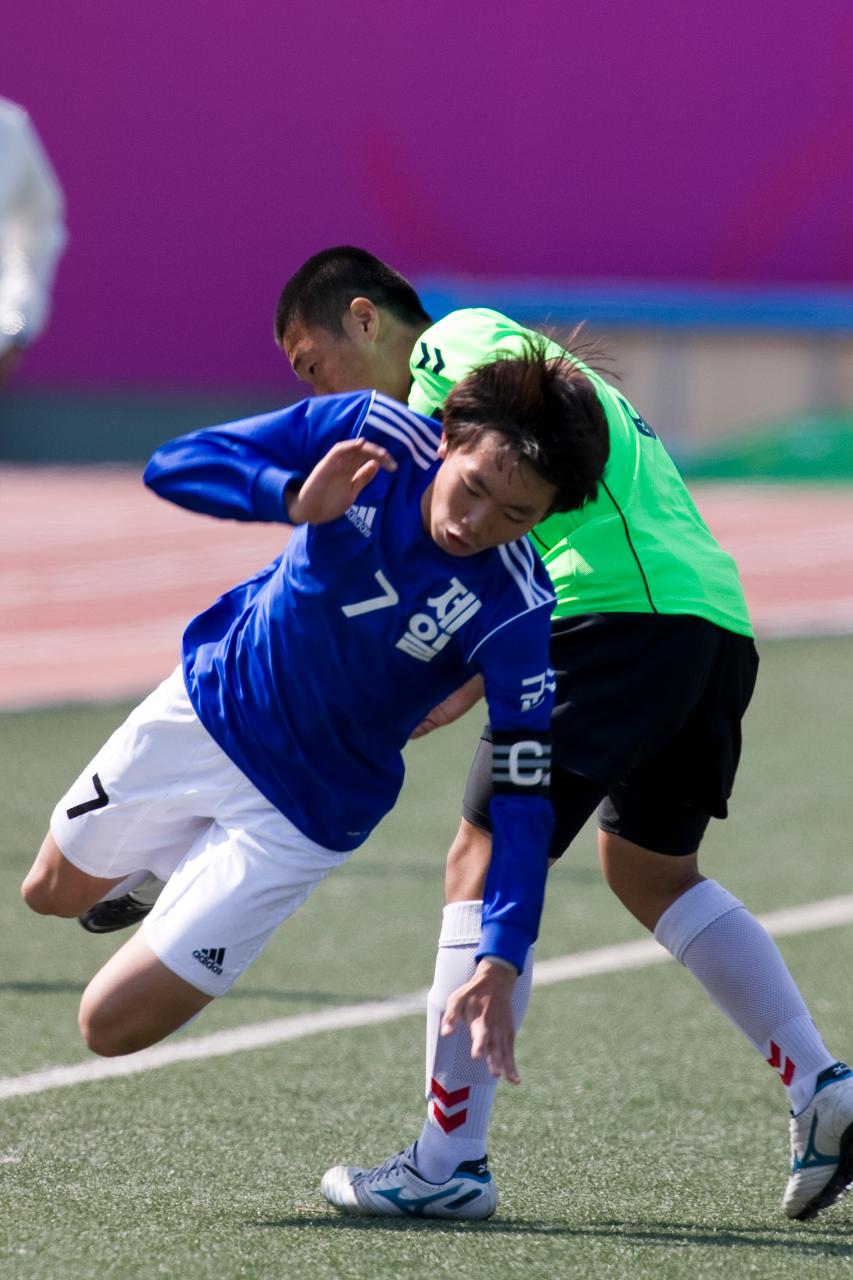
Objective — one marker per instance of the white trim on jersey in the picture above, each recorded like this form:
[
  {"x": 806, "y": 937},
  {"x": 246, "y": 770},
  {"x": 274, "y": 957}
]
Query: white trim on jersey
[
  {"x": 395, "y": 420},
  {"x": 550, "y": 604},
  {"x": 429, "y": 431},
  {"x": 519, "y": 562}
]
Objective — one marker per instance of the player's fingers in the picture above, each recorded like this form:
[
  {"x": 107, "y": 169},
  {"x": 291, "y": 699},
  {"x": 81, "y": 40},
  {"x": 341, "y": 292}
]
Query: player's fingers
[
  {"x": 480, "y": 1047},
  {"x": 502, "y": 1063},
  {"x": 426, "y": 726},
  {"x": 367, "y": 449},
  {"x": 497, "y": 1043},
  {"x": 364, "y": 475},
  {"x": 498, "y": 1068},
  {"x": 450, "y": 1021}
]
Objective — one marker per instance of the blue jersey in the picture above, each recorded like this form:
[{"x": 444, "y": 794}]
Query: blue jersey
[{"x": 312, "y": 674}]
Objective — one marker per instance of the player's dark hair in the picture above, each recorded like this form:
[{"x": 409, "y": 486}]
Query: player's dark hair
[
  {"x": 320, "y": 292},
  {"x": 548, "y": 413}
]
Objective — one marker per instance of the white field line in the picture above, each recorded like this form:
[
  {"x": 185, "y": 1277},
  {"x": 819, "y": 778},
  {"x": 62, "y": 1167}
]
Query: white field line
[{"x": 807, "y": 918}]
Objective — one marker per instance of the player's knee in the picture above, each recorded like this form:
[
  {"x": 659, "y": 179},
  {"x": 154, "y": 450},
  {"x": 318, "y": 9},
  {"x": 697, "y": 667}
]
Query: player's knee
[
  {"x": 52, "y": 886},
  {"x": 42, "y": 895},
  {"x": 105, "y": 1031},
  {"x": 101, "y": 1039},
  {"x": 36, "y": 900},
  {"x": 645, "y": 882}
]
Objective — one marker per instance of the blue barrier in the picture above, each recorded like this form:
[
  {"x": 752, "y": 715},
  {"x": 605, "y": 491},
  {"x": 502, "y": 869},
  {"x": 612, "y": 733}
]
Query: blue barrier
[{"x": 652, "y": 306}]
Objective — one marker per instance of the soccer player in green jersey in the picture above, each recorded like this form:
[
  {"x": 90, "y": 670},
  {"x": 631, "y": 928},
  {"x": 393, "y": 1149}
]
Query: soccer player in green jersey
[{"x": 654, "y": 665}]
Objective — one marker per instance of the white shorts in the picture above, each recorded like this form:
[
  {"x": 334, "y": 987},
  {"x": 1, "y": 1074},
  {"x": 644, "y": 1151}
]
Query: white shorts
[{"x": 160, "y": 795}]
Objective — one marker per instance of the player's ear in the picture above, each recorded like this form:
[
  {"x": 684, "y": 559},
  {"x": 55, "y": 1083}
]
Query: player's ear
[
  {"x": 442, "y": 447},
  {"x": 362, "y": 320}
]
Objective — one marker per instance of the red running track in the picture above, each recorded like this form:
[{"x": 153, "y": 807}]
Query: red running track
[{"x": 98, "y": 577}]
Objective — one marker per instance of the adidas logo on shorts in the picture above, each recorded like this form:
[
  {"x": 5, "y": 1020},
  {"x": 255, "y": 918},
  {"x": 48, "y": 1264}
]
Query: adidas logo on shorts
[{"x": 211, "y": 958}]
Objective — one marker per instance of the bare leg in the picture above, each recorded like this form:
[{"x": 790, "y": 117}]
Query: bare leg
[
  {"x": 55, "y": 887},
  {"x": 739, "y": 965},
  {"x": 646, "y": 883},
  {"x": 467, "y": 864},
  {"x": 134, "y": 1001}
]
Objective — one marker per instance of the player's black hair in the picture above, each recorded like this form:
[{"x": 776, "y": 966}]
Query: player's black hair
[
  {"x": 547, "y": 412},
  {"x": 319, "y": 293}
]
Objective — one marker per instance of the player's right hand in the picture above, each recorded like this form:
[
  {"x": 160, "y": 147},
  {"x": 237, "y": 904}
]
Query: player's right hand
[
  {"x": 336, "y": 481},
  {"x": 485, "y": 1004}
]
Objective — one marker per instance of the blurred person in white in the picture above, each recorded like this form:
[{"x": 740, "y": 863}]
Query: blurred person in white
[{"x": 32, "y": 234}]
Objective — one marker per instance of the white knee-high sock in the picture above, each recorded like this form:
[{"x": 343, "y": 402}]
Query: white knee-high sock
[
  {"x": 460, "y": 1091},
  {"x": 714, "y": 936}
]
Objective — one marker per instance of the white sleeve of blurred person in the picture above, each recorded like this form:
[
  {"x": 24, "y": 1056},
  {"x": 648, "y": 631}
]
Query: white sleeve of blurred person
[{"x": 32, "y": 233}]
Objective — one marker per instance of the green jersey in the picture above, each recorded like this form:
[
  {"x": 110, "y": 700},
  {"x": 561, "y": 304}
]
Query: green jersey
[{"x": 641, "y": 546}]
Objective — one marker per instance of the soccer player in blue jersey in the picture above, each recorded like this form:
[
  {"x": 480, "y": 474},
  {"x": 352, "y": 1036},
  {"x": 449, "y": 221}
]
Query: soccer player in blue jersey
[
  {"x": 271, "y": 754},
  {"x": 347, "y": 320}
]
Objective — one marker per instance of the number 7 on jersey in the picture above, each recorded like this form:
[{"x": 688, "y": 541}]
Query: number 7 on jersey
[{"x": 388, "y": 598}]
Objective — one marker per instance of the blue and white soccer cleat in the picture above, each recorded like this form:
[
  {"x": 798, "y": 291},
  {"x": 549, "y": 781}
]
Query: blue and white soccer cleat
[
  {"x": 396, "y": 1189},
  {"x": 822, "y": 1146}
]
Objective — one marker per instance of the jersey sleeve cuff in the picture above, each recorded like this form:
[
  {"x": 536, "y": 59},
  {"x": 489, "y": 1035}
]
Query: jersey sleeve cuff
[
  {"x": 268, "y": 496},
  {"x": 506, "y": 941}
]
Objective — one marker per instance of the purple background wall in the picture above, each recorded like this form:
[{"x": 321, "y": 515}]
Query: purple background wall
[{"x": 207, "y": 148}]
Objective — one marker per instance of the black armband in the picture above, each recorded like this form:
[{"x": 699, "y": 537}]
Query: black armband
[{"x": 521, "y": 762}]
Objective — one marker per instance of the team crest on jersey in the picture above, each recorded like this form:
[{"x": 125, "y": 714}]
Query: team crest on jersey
[
  {"x": 362, "y": 518},
  {"x": 429, "y": 632},
  {"x": 533, "y": 690}
]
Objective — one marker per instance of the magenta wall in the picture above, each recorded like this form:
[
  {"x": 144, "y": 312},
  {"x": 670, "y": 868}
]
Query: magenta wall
[{"x": 207, "y": 148}]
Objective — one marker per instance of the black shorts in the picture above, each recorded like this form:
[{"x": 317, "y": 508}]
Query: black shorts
[{"x": 646, "y": 728}]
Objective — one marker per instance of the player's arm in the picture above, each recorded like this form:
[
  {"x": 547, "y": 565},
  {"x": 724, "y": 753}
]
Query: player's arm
[
  {"x": 520, "y": 705},
  {"x": 303, "y": 464},
  {"x": 511, "y": 909},
  {"x": 522, "y": 821},
  {"x": 520, "y": 696}
]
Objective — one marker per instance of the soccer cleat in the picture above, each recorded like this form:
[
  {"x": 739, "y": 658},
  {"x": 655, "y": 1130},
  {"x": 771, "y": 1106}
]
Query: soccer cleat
[
  {"x": 396, "y": 1189},
  {"x": 121, "y": 913},
  {"x": 822, "y": 1146}
]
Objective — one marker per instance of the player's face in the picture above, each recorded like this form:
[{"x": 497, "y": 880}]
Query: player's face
[
  {"x": 334, "y": 363},
  {"x": 483, "y": 496}
]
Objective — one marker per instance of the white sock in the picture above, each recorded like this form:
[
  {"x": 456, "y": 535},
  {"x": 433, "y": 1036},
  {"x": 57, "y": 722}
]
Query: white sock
[
  {"x": 714, "y": 936},
  {"x": 459, "y": 1090}
]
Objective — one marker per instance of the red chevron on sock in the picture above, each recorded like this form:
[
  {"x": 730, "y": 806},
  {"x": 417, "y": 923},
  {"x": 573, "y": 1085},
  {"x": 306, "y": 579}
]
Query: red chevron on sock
[
  {"x": 775, "y": 1061},
  {"x": 449, "y": 1099},
  {"x": 449, "y": 1123}
]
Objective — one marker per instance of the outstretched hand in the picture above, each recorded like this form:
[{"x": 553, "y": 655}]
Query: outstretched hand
[
  {"x": 484, "y": 1003},
  {"x": 336, "y": 481}
]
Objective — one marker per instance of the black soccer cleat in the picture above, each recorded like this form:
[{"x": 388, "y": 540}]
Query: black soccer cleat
[{"x": 123, "y": 912}]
